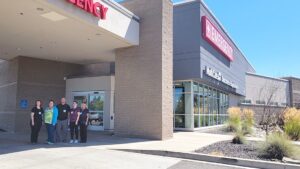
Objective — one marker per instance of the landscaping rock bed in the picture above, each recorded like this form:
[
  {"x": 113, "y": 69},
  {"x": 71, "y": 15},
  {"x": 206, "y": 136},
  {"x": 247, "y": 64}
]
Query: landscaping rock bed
[
  {"x": 257, "y": 131},
  {"x": 228, "y": 149}
]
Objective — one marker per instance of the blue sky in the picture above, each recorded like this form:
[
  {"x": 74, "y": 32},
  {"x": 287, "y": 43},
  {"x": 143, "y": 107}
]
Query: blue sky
[{"x": 266, "y": 31}]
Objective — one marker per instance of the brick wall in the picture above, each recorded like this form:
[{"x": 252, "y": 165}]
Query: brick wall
[{"x": 144, "y": 74}]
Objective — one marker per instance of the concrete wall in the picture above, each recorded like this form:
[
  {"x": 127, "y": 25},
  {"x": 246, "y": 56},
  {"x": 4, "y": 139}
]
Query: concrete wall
[
  {"x": 260, "y": 88},
  {"x": 8, "y": 93},
  {"x": 103, "y": 83},
  {"x": 40, "y": 79},
  {"x": 144, "y": 74},
  {"x": 99, "y": 69},
  {"x": 192, "y": 53},
  {"x": 259, "y": 112},
  {"x": 294, "y": 91},
  {"x": 26, "y": 78},
  {"x": 234, "y": 100}
]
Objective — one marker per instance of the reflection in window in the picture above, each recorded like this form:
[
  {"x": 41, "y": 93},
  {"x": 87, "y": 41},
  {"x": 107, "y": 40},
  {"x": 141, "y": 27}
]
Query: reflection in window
[{"x": 197, "y": 105}]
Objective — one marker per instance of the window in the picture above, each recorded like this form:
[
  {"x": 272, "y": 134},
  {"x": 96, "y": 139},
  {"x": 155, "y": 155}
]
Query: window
[
  {"x": 197, "y": 105},
  {"x": 182, "y": 105},
  {"x": 274, "y": 103},
  {"x": 246, "y": 102},
  {"x": 260, "y": 102}
]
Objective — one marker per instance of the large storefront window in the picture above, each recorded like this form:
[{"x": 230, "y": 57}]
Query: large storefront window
[
  {"x": 197, "y": 105},
  {"x": 95, "y": 103}
]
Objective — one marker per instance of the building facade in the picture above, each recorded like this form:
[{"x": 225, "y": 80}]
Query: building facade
[
  {"x": 209, "y": 69},
  {"x": 144, "y": 67},
  {"x": 294, "y": 84},
  {"x": 263, "y": 90},
  {"x": 97, "y": 51}
]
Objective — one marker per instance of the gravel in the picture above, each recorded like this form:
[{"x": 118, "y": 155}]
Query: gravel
[
  {"x": 257, "y": 131},
  {"x": 228, "y": 149}
]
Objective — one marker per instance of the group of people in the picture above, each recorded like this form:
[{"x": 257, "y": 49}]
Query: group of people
[{"x": 57, "y": 119}]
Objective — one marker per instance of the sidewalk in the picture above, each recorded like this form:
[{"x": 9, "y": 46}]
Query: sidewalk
[
  {"x": 181, "y": 142},
  {"x": 105, "y": 148}
]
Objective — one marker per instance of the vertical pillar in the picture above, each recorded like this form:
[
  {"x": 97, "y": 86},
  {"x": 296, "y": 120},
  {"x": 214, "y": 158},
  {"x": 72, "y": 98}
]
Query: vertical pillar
[
  {"x": 144, "y": 74},
  {"x": 189, "y": 106}
]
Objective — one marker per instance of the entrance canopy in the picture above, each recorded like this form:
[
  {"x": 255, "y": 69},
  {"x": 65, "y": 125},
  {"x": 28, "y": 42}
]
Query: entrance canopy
[{"x": 75, "y": 31}]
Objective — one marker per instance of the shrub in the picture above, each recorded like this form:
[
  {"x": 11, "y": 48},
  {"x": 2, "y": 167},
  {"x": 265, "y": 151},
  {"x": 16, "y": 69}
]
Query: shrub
[
  {"x": 247, "y": 121},
  {"x": 238, "y": 138},
  {"x": 292, "y": 123},
  {"x": 234, "y": 119},
  {"x": 276, "y": 146}
]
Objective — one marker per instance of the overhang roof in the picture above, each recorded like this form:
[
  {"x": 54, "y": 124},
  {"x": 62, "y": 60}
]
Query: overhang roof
[{"x": 59, "y": 30}]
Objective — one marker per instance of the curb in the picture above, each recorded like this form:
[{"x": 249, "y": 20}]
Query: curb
[{"x": 214, "y": 159}]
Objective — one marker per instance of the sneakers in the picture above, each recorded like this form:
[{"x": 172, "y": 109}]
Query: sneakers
[
  {"x": 73, "y": 141},
  {"x": 50, "y": 143}
]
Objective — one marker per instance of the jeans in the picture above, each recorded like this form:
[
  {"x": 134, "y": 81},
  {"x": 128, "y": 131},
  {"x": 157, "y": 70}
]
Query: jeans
[
  {"x": 50, "y": 130},
  {"x": 35, "y": 131},
  {"x": 73, "y": 128},
  {"x": 61, "y": 131}
]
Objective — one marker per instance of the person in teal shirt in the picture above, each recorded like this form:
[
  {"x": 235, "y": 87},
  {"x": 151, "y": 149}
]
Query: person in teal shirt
[{"x": 50, "y": 119}]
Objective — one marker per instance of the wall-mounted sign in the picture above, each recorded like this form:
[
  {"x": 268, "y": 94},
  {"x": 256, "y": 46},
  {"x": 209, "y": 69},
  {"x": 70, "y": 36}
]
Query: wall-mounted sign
[
  {"x": 95, "y": 8},
  {"x": 24, "y": 104},
  {"x": 212, "y": 35},
  {"x": 218, "y": 76}
]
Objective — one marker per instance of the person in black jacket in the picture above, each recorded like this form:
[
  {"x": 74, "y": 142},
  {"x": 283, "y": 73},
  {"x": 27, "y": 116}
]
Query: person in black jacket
[
  {"x": 82, "y": 121},
  {"x": 36, "y": 118}
]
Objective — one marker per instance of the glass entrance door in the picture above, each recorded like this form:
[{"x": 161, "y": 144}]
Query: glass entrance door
[{"x": 95, "y": 103}]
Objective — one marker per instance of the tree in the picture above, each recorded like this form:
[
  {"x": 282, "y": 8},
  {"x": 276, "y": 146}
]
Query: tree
[{"x": 268, "y": 95}]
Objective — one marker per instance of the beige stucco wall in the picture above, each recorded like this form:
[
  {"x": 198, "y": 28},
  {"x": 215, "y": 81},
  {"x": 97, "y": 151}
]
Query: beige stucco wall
[
  {"x": 144, "y": 74},
  {"x": 261, "y": 88}
]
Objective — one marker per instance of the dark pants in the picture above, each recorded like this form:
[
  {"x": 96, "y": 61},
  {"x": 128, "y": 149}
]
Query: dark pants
[
  {"x": 73, "y": 128},
  {"x": 61, "y": 131},
  {"x": 50, "y": 130},
  {"x": 35, "y": 131},
  {"x": 83, "y": 133}
]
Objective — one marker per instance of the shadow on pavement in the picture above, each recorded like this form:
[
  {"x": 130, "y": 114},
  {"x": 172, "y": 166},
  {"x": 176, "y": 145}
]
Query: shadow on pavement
[{"x": 17, "y": 142}]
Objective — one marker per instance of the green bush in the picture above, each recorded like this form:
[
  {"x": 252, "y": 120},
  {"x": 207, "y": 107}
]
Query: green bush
[
  {"x": 292, "y": 123},
  {"x": 234, "y": 119},
  {"x": 247, "y": 121},
  {"x": 292, "y": 128},
  {"x": 239, "y": 138},
  {"x": 276, "y": 146}
]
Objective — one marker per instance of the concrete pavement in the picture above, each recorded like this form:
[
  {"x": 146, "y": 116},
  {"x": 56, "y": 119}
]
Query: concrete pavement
[
  {"x": 90, "y": 158},
  {"x": 181, "y": 142},
  {"x": 100, "y": 152},
  {"x": 16, "y": 152}
]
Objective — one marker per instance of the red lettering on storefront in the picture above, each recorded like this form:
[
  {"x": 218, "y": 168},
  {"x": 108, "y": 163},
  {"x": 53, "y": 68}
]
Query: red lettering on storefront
[
  {"x": 213, "y": 36},
  {"x": 97, "y": 9},
  {"x": 103, "y": 12},
  {"x": 80, "y": 4},
  {"x": 72, "y": 1},
  {"x": 88, "y": 6}
]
